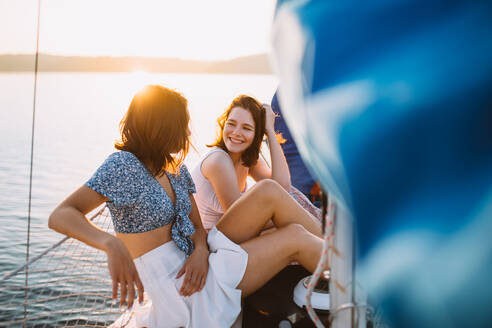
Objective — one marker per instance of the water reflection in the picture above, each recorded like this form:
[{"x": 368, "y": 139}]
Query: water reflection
[{"x": 77, "y": 116}]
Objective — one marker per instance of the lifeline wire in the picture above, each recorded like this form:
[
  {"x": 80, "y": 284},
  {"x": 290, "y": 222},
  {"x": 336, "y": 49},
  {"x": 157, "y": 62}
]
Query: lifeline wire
[
  {"x": 46, "y": 251},
  {"x": 32, "y": 156},
  {"x": 68, "y": 287}
]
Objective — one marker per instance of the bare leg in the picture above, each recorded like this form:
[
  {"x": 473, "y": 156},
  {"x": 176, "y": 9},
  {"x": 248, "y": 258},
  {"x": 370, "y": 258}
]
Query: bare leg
[
  {"x": 266, "y": 200},
  {"x": 268, "y": 254}
]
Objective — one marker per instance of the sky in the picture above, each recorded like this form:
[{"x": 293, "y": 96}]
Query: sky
[{"x": 187, "y": 29}]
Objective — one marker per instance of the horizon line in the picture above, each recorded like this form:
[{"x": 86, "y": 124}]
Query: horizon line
[{"x": 130, "y": 56}]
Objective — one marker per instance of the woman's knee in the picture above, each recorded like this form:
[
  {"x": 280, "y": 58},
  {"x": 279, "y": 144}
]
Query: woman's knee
[
  {"x": 268, "y": 189},
  {"x": 296, "y": 230},
  {"x": 294, "y": 236}
]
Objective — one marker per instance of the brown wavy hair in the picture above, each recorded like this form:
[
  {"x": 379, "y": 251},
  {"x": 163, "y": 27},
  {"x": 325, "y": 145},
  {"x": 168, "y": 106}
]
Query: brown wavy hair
[
  {"x": 155, "y": 129},
  {"x": 250, "y": 156}
]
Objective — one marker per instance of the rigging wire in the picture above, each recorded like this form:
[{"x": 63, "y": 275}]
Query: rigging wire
[{"x": 36, "y": 61}]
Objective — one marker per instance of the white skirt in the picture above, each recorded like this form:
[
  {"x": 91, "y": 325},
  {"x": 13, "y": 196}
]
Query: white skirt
[{"x": 217, "y": 305}]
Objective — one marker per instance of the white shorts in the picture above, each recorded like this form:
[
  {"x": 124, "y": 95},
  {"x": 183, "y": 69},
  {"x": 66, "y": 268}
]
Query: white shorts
[{"x": 216, "y": 305}]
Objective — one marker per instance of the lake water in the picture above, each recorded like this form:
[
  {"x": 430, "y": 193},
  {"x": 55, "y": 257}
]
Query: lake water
[{"x": 76, "y": 124}]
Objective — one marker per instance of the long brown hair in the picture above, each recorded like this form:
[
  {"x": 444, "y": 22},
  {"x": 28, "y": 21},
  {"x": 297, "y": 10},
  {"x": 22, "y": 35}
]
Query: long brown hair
[
  {"x": 155, "y": 129},
  {"x": 250, "y": 156}
]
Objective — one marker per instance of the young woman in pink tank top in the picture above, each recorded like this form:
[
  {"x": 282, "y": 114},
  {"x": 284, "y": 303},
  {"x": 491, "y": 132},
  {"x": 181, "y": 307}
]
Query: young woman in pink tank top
[{"x": 221, "y": 175}]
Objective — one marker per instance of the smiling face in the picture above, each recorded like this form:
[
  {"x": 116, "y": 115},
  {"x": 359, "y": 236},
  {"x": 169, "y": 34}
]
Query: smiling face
[{"x": 239, "y": 130}]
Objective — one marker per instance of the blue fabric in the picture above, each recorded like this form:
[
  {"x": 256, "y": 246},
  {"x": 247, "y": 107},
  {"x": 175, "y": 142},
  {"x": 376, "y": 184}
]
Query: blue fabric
[
  {"x": 390, "y": 104},
  {"x": 139, "y": 203},
  {"x": 300, "y": 176}
]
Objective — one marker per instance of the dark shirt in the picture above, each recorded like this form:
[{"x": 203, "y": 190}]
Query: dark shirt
[{"x": 300, "y": 176}]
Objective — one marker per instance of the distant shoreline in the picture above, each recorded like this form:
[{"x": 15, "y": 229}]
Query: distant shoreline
[{"x": 255, "y": 64}]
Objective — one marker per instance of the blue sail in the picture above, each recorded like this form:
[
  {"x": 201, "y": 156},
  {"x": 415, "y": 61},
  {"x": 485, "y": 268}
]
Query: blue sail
[{"x": 390, "y": 104}]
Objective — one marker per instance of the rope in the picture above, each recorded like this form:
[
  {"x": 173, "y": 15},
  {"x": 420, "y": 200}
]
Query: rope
[
  {"x": 31, "y": 164},
  {"x": 325, "y": 256}
]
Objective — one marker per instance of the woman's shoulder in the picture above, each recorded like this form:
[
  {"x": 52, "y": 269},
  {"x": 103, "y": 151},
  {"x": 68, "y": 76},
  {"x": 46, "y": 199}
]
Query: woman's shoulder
[
  {"x": 216, "y": 159},
  {"x": 122, "y": 163},
  {"x": 125, "y": 156},
  {"x": 183, "y": 170},
  {"x": 184, "y": 177},
  {"x": 216, "y": 155},
  {"x": 118, "y": 178},
  {"x": 122, "y": 157}
]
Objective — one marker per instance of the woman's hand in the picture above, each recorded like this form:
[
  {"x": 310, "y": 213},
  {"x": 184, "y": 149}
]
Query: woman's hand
[
  {"x": 269, "y": 119},
  {"x": 123, "y": 272},
  {"x": 195, "y": 270},
  {"x": 69, "y": 219},
  {"x": 279, "y": 170}
]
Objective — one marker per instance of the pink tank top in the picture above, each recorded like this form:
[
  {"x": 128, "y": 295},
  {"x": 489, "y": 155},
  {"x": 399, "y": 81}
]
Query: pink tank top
[{"x": 206, "y": 199}]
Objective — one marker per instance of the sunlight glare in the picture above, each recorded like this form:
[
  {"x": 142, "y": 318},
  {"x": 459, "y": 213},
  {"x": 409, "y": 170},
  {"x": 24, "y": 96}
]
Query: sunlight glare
[
  {"x": 139, "y": 79},
  {"x": 203, "y": 30}
]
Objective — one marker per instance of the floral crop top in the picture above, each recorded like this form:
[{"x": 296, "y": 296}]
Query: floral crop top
[{"x": 138, "y": 202}]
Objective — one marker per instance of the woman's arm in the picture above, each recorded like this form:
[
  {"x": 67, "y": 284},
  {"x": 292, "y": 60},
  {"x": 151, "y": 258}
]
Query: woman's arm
[
  {"x": 280, "y": 170},
  {"x": 200, "y": 236},
  {"x": 219, "y": 170},
  {"x": 195, "y": 268},
  {"x": 69, "y": 219}
]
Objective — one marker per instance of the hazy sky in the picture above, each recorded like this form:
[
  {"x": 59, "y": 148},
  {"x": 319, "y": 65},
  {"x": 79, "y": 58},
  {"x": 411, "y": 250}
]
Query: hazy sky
[{"x": 201, "y": 29}]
